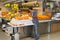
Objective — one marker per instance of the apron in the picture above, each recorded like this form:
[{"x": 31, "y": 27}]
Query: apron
[{"x": 35, "y": 20}]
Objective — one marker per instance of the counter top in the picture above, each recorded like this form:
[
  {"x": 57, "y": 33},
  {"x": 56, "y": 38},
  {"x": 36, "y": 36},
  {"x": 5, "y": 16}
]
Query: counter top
[
  {"x": 44, "y": 21},
  {"x": 55, "y": 19}
]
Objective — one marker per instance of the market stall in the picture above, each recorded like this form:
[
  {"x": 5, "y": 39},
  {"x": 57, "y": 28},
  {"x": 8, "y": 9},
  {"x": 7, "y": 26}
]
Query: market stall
[
  {"x": 22, "y": 16},
  {"x": 19, "y": 17}
]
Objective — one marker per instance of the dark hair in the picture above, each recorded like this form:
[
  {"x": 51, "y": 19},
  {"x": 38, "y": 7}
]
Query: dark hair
[
  {"x": 0, "y": 8},
  {"x": 31, "y": 8},
  {"x": 25, "y": 1}
]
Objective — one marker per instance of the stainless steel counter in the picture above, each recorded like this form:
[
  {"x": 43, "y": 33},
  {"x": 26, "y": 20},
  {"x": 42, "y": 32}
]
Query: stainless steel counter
[
  {"x": 50, "y": 25},
  {"x": 44, "y": 26}
]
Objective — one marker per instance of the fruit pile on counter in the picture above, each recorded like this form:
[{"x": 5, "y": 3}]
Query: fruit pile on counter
[
  {"x": 17, "y": 16},
  {"x": 46, "y": 16},
  {"x": 23, "y": 15}
]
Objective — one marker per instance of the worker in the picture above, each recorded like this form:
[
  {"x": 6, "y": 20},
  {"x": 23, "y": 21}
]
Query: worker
[
  {"x": 1, "y": 20},
  {"x": 35, "y": 21},
  {"x": 0, "y": 15},
  {"x": 0, "y": 12}
]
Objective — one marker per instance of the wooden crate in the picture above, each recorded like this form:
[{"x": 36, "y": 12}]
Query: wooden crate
[
  {"x": 58, "y": 26},
  {"x": 43, "y": 28},
  {"x": 54, "y": 27}
]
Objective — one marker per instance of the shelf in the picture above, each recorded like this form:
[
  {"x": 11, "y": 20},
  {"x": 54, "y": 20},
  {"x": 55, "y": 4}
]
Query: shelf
[
  {"x": 36, "y": 8},
  {"x": 5, "y": 2},
  {"x": 33, "y": 8},
  {"x": 8, "y": 2},
  {"x": 50, "y": 1},
  {"x": 29, "y": 3},
  {"x": 53, "y": 0}
]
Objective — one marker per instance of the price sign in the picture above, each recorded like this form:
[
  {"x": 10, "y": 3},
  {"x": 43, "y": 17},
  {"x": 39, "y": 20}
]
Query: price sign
[{"x": 19, "y": 23}]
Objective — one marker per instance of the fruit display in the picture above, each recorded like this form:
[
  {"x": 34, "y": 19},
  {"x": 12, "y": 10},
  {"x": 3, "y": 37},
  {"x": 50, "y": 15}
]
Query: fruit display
[
  {"x": 7, "y": 5},
  {"x": 14, "y": 6},
  {"x": 23, "y": 17},
  {"x": 8, "y": 18},
  {"x": 26, "y": 16},
  {"x": 7, "y": 15},
  {"x": 4, "y": 14},
  {"x": 18, "y": 16},
  {"x": 43, "y": 17}
]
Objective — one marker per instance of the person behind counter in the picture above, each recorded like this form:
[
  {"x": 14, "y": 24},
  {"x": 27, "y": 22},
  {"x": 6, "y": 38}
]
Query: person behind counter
[
  {"x": 35, "y": 21},
  {"x": 1, "y": 20},
  {"x": 0, "y": 16},
  {"x": 0, "y": 12}
]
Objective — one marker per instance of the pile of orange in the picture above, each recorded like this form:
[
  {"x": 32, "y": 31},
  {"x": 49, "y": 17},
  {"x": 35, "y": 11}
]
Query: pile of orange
[
  {"x": 17, "y": 17},
  {"x": 23, "y": 17},
  {"x": 43, "y": 17},
  {"x": 8, "y": 18},
  {"x": 4, "y": 14}
]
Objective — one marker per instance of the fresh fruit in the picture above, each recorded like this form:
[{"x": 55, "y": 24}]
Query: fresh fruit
[
  {"x": 7, "y": 5},
  {"x": 8, "y": 18},
  {"x": 12, "y": 14},
  {"x": 25, "y": 16},
  {"x": 14, "y": 6},
  {"x": 9, "y": 13},
  {"x": 43, "y": 17},
  {"x": 17, "y": 17},
  {"x": 4, "y": 14}
]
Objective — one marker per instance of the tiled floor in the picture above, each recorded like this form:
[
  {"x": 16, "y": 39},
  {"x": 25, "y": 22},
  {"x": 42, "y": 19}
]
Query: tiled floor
[
  {"x": 3, "y": 36},
  {"x": 51, "y": 36}
]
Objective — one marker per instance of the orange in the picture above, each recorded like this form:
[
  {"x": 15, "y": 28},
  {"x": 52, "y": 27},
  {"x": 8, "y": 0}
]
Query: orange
[
  {"x": 4, "y": 14},
  {"x": 17, "y": 17},
  {"x": 43, "y": 17},
  {"x": 24, "y": 17}
]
